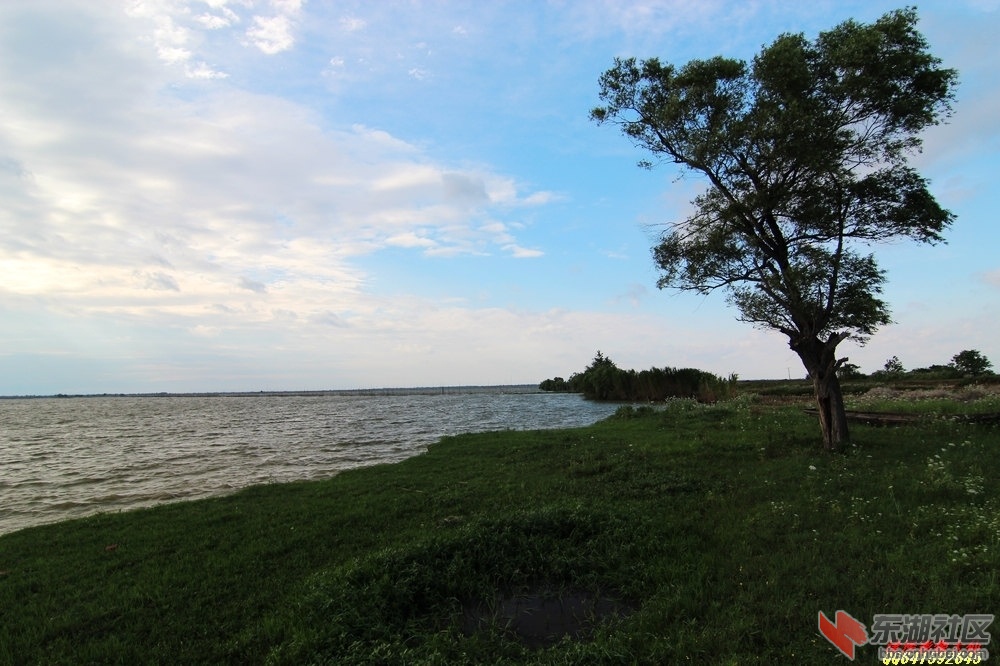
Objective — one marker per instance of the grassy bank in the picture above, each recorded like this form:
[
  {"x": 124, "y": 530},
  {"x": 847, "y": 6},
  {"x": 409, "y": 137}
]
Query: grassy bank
[{"x": 705, "y": 533}]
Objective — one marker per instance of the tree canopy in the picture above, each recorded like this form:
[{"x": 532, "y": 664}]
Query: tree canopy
[
  {"x": 805, "y": 152},
  {"x": 971, "y": 362}
]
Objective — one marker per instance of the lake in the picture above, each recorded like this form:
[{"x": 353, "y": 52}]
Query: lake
[{"x": 70, "y": 457}]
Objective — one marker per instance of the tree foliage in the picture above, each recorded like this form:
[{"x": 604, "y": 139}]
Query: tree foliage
[
  {"x": 849, "y": 371},
  {"x": 603, "y": 380},
  {"x": 971, "y": 362},
  {"x": 893, "y": 366},
  {"x": 805, "y": 153}
]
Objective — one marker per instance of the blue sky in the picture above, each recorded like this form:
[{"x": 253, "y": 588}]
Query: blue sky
[{"x": 202, "y": 195}]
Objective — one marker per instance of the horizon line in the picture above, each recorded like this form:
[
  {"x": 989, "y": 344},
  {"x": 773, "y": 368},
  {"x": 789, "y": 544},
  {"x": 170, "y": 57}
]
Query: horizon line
[{"x": 280, "y": 392}]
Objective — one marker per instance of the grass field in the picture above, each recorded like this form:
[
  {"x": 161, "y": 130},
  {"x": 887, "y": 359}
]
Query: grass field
[{"x": 688, "y": 533}]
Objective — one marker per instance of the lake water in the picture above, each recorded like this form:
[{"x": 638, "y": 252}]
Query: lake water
[{"x": 70, "y": 457}]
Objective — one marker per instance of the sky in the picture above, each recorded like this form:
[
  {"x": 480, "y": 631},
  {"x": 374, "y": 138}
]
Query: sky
[{"x": 245, "y": 195}]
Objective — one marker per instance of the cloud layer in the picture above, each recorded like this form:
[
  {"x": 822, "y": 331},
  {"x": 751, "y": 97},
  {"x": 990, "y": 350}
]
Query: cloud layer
[{"x": 284, "y": 194}]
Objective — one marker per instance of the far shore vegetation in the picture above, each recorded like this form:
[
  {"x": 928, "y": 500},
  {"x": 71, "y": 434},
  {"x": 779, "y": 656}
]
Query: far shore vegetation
[
  {"x": 672, "y": 532},
  {"x": 603, "y": 380}
]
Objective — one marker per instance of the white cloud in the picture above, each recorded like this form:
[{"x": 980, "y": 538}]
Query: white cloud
[
  {"x": 289, "y": 7},
  {"x": 409, "y": 239},
  {"x": 203, "y": 71},
  {"x": 406, "y": 176},
  {"x": 522, "y": 252},
  {"x": 541, "y": 198},
  {"x": 171, "y": 40},
  {"x": 178, "y": 28},
  {"x": 271, "y": 34},
  {"x": 222, "y": 211},
  {"x": 173, "y": 54},
  {"x": 206, "y": 331},
  {"x": 497, "y": 229},
  {"x": 383, "y": 139},
  {"x": 216, "y": 21}
]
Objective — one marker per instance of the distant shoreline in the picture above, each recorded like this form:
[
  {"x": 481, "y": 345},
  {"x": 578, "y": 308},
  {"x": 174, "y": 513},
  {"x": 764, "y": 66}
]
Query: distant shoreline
[{"x": 413, "y": 390}]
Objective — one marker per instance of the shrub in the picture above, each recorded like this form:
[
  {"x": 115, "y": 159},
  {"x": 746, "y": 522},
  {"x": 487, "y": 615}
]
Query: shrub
[{"x": 603, "y": 380}]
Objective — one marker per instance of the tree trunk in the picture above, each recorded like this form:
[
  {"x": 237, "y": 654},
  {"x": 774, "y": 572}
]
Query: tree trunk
[{"x": 821, "y": 363}]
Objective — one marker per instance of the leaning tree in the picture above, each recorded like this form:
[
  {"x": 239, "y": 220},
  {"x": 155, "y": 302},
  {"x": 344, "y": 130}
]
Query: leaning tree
[{"x": 805, "y": 153}]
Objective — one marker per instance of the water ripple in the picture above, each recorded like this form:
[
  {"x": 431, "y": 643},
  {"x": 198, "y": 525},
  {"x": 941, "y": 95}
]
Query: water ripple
[{"x": 71, "y": 457}]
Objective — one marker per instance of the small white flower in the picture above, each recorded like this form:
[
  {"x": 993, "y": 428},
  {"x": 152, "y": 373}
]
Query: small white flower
[{"x": 812, "y": 467}]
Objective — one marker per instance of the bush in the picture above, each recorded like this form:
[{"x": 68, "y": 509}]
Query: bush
[
  {"x": 603, "y": 380},
  {"x": 556, "y": 384},
  {"x": 630, "y": 412}
]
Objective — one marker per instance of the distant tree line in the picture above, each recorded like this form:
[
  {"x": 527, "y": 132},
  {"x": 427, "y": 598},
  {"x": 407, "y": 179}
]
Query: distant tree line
[
  {"x": 603, "y": 380},
  {"x": 969, "y": 363}
]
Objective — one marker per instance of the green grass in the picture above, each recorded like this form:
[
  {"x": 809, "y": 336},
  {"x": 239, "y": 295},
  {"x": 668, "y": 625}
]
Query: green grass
[{"x": 721, "y": 530}]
